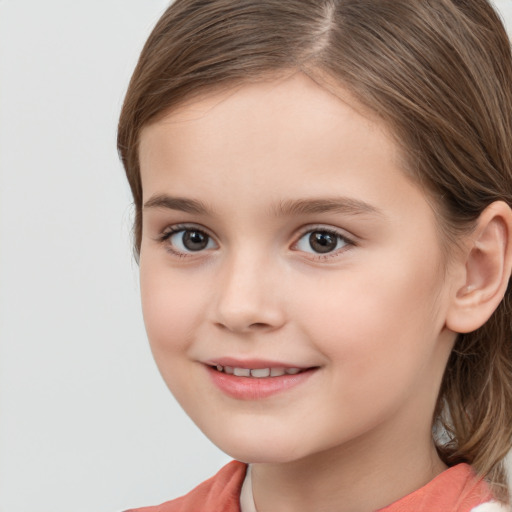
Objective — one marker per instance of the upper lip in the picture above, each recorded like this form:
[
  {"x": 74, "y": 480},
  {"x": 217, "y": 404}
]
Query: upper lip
[{"x": 252, "y": 363}]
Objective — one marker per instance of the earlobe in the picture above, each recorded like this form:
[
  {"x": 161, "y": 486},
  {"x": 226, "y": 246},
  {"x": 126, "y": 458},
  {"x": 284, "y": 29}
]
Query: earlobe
[{"x": 487, "y": 267}]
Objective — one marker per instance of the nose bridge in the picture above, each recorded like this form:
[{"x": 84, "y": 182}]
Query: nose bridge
[{"x": 247, "y": 297}]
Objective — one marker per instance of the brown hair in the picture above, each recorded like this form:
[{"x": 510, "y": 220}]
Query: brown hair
[{"x": 438, "y": 72}]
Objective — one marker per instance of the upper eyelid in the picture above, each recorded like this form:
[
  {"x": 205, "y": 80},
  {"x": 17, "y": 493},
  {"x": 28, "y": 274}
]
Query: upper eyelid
[
  {"x": 311, "y": 228},
  {"x": 302, "y": 230},
  {"x": 176, "y": 228}
]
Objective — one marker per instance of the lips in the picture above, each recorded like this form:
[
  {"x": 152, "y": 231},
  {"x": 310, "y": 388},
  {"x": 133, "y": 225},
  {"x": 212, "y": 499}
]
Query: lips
[
  {"x": 257, "y": 373},
  {"x": 255, "y": 380}
]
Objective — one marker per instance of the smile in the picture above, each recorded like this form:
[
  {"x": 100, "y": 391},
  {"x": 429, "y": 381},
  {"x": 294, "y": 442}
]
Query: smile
[
  {"x": 255, "y": 383},
  {"x": 257, "y": 373}
]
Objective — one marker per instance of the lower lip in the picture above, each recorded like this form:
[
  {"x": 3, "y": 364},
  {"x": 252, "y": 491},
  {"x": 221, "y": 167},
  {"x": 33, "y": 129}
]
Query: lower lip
[{"x": 252, "y": 388}]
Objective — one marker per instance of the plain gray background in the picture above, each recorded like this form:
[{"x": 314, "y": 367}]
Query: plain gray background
[{"x": 86, "y": 423}]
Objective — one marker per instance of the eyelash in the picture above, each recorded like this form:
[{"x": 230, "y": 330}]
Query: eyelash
[
  {"x": 165, "y": 236},
  {"x": 330, "y": 231},
  {"x": 178, "y": 228}
]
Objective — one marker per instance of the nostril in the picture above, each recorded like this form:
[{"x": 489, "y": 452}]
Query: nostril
[{"x": 258, "y": 325}]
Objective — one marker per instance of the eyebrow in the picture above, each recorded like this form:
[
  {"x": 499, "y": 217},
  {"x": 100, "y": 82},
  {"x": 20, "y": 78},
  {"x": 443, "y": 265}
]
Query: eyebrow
[
  {"x": 342, "y": 205},
  {"x": 177, "y": 203}
]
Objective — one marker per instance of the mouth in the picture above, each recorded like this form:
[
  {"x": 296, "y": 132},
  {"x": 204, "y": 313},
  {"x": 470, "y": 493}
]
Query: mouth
[
  {"x": 256, "y": 380},
  {"x": 257, "y": 373}
]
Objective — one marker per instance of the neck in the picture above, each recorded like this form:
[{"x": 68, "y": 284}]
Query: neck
[{"x": 349, "y": 478}]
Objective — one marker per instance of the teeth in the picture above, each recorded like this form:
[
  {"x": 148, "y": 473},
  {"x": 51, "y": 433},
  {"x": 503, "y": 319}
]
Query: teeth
[
  {"x": 257, "y": 373},
  {"x": 242, "y": 372},
  {"x": 261, "y": 372}
]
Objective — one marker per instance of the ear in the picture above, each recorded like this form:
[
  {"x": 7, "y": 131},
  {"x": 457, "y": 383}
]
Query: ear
[{"x": 486, "y": 268}]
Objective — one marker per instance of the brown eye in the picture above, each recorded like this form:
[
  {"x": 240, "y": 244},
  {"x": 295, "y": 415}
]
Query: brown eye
[
  {"x": 321, "y": 241},
  {"x": 195, "y": 240},
  {"x": 190, "y": 240}
]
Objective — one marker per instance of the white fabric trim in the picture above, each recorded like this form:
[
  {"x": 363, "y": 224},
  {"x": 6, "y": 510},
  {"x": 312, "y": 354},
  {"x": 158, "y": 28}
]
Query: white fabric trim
[
  {"x": 491, "y": 506},
  {"x": 246, "y": 497}
]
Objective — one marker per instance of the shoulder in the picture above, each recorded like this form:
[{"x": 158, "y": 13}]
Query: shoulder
[
  {"x": 457, "y": 489},
  {"x": 220, "y": 492}
]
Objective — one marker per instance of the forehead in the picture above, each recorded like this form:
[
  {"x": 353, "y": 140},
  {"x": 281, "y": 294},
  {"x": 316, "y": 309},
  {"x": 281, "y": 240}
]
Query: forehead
[{"x": 286, "y": 122}]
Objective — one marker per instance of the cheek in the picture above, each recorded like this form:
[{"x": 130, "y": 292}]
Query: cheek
[
  {"x": 171, "y": 307},
  {"x": 375, "y": 322}
]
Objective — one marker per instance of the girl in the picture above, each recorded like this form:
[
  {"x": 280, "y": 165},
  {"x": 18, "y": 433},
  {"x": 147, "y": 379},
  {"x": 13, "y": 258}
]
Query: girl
[{"x": 323, "y": 222}]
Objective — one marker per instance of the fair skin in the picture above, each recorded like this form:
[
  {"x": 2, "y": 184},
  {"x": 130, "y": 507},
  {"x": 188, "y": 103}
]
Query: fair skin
[{"x": 247, "y": 179}]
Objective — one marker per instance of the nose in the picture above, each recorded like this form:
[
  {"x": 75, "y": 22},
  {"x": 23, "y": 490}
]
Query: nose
[{"x": 248, "y": 297}]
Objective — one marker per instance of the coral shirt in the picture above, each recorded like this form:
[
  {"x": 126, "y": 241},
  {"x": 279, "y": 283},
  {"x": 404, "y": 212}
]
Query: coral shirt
[{"x": 455, "y": 490}]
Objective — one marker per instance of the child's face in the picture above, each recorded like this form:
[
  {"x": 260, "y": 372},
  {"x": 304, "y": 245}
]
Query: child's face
[{"x": 280, "y": 232}]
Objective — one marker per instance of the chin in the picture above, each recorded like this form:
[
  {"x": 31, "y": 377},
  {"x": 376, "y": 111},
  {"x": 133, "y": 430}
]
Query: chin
[{"x": 271, "y": 450}]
